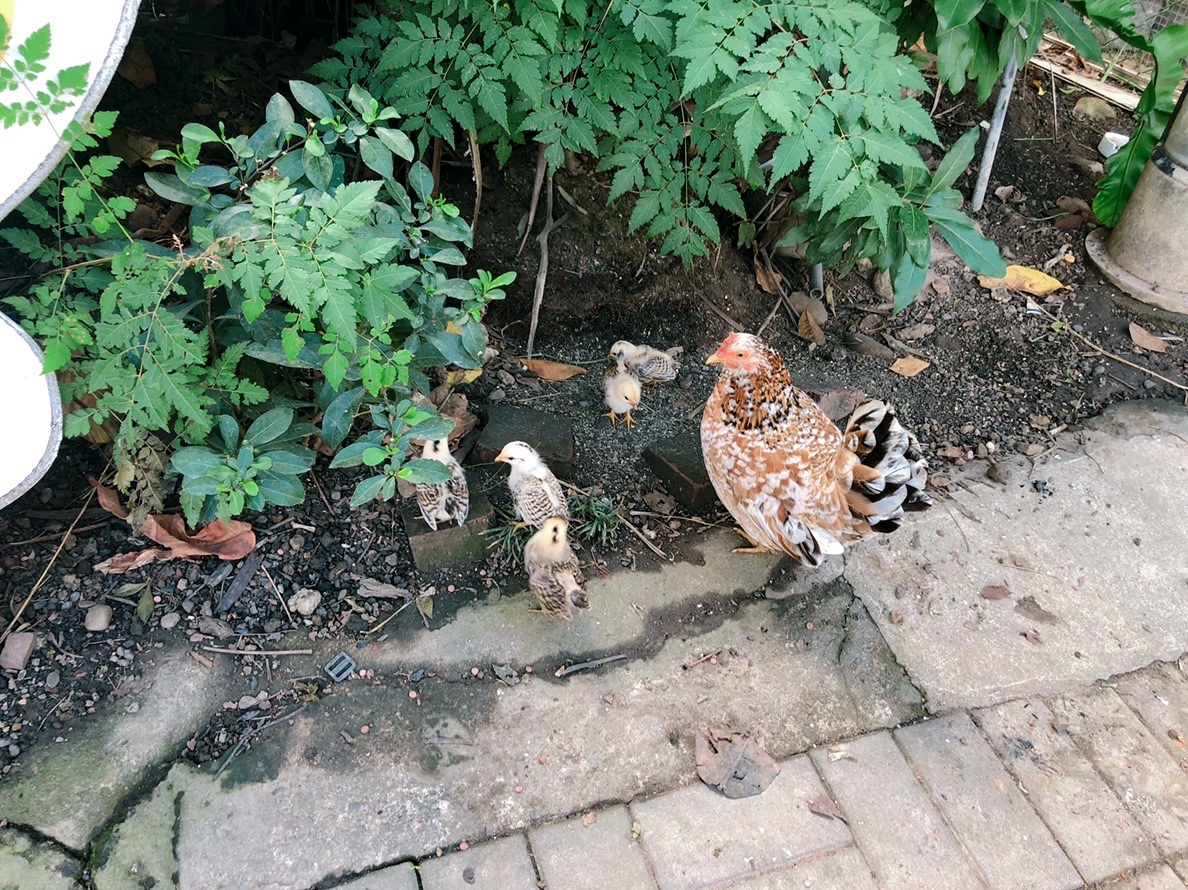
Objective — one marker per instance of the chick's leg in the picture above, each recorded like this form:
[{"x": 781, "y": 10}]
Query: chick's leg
[
  {"x": 628, "y": 420},
  {"x": 612, "y": 416}
]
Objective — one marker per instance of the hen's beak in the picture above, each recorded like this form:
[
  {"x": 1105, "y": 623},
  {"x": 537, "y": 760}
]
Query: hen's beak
[{"x": 716, "y": 359}]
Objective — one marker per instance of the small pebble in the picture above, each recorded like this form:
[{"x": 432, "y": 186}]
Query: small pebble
[
  {"x": 519, "y": 789},
  {"x": 98, "y": 618},
  {"x": 412, "y": 693},
  {"x": 363, "y": 730},
  {"x": 305, "y": 601},
  {"x": 14, "y": 750},
  {"x": 52, "y": 679},
  {"x": 170, "y": 620},
  {"x": 463, "y": 846},
  {"x": 474, "y": 672}
]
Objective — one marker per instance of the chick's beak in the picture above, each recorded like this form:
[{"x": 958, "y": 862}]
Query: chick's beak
[{"x": 501, "y": 457}]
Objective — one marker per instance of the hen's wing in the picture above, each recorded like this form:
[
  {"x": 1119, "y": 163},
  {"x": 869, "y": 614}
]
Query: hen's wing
[
  {"x": 459, "y": 492},
  {"x": 540, "y": 497},
  {"x": 569, "y": 576},
  {"x": 430, "y": 499}
]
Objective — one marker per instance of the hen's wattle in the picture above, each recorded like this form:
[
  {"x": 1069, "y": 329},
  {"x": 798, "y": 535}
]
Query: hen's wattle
[{"x": 787, "y": 474}]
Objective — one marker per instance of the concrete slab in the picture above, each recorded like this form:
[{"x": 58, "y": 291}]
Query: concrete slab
[
  {"x": 395, "y": 877},
  {"x": 843, "y": 869},
  {"x": 1160, "y": 877},
  {"x": 601, "y": 855},
  {"x": 980, "y": 802},
  {"x": 471, "y": 758},
  {"x": 1082, "y": 812},
  {"x": 696, "y": 837},
  {"x": 500, "y": 865},
  {"x": 1043, "y": 535},
  {"x": 68, "y": 791},
  {"x": 895, "y": 824},
  {"x": 1150, "y": 784},
  {"x": 882, "y": 691},
  {"x": 140, "y": 848},
  {"x": 28, "y": 865}
]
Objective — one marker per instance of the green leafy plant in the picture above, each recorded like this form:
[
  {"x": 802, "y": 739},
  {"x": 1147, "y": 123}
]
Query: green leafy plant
[
  {"x": 234, "y": 471},
  {"x": 387, "y": 449},
  {"x": 594, "y": 517},
  {"x": 298, "y": 284},
  {"x": 687, "y": 105},
  {"x": 24, "y": 72}
]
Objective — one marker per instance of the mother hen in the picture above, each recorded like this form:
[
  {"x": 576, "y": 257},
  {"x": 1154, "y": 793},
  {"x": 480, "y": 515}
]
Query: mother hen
[{"x": 793, "y": 480}]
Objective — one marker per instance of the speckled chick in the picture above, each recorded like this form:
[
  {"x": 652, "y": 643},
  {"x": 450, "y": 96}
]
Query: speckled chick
[
  {"x": 651, "y": 365},
  {"x": 535, "y": 491},
  {"x": 443, "y": 501},
  {"x": 554, "y": 574},
  {"x": 621, "y": 391}
]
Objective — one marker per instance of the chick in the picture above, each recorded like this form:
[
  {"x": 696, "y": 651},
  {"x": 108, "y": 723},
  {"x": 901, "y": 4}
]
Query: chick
[
  {"x": 535, "y": 491},
  {"x": 650, "y": 364},
  {"x": 621, "y": 391},
  {"x": 443, "y": 501},
  {"x": 554, "y": 574}
]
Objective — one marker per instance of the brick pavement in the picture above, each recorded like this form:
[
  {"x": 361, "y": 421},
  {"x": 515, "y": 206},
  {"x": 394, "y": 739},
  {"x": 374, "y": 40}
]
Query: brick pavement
[{"x": 1084, "y": 789}]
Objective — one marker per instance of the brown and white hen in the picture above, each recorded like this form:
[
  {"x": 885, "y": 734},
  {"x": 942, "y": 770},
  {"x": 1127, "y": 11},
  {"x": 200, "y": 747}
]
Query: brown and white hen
[{"x": 793, "y": 480}]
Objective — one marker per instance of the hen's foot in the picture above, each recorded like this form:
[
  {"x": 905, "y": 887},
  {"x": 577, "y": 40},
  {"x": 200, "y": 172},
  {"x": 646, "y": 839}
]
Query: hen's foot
[{"x": 754, "y": 548}]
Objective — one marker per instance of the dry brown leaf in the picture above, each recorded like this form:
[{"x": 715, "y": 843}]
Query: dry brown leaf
[
  {"x": 950, "y": 452},
  {"x": 733, "y": 763},
  {"x": 1007, "y": 193},
  {"x": 824, "y": 805},
  {"x": 916, "y": 331},
  {"x": 589, "y": 819},
  {"x": 840, "y": 403},
  {"x": 1145, "y": 339},
  {"x": 137, "y": 67},
  {"x": 995, "y": 592},
  {"x": 1075, "y": 205},
  {"x": 809, "y": 329},
  {"x": 127, "y": 562},
  {"x": 548, "y": 370},
  {"x": 765, "y": 276},
  {"x": 460, "y": 376},
  {"x": 941, "y": 287},
  {"x": 381, "y": 589},
  {"x": 802, "y": 302},
  {"x": 1023, "y": 279},
  {"x": 908, "y": 366},
  {"x": 865, "y": 345}
]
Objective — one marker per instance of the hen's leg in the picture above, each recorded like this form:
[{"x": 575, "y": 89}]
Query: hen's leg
[{"x": 754, "y": 548}]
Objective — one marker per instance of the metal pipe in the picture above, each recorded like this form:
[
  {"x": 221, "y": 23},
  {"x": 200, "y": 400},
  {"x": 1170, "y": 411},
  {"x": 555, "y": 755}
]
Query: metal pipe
[{"x": 991, "y": 149}]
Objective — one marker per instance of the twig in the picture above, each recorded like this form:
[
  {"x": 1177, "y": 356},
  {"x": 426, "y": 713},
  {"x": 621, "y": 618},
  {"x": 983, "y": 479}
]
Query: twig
[
  {"x": 635, "y": 531},
  {"x": 51, "y": 535},
  {"x": 1067, "y": 328},
  {"x": 653, "y": 515},
  {"x": 734, "y": 325},
  {"x": 268, "y": 652},
  {"x": 380, "y": 626},
  {"x": 1055, "y": 118},
  {"x": 476, "y": 162},
  {"x": 280, "y": 598},
  {"x": 991, "y": 148},
  {"x": 321, "y": 493},
  {"x": 959, "y": 528},
  {"x": 586, "y": 665},
  {"x": 537, "y": 183},
  {"x": 45, "y": 572},
  {"x": 543, "y": 271},
  {"x": 705, "y": 657},
  {"x": 251, "y": 733},
  {"x": 770, "y": 315}
]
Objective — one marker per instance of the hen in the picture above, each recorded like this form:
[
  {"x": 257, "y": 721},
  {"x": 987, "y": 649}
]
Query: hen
[
  {"x": 536, "y": 493},
  {"x": 554, "y": 574},
  {"x": 787, "y": 474},
  {"x": 443, "y": 501}
]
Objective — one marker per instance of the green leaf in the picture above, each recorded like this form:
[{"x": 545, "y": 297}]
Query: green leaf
[
  {"x": 194, "y": 460},
  {"x": 1074, "y": 29},
  {"x": 279, "y": 488},
  {"x": 367, "y": 490},
  {"x": 1123, "y": 169},
  {"x": 339, "y": 416},
  {"x": 278, "y": 110},
  {"x": 352, "y": 455},
  {"x": 953, "y": 14},
  {"x": 169, "y": 187},
  {"x": 311, "y": 99},
  {"x": 978, "y": 252},
  {"x": 954, "y": 163},
  {"x": 396, "y": 142},
  {"x": 914, "y": 225},
  {"x": 374, "y": 456},
  {"x": 290, "y": 461},
  {"x": 424, "y": 472},
  {"x": 908, "y": 280},
  {"x": 209, "y": 176},
  {"x": 199, "y": 133},
  {"x": 376, "y": 155},
  {"x": 144, "y": 606},
  {"x": 268, "y": 426},
  {"x": 319, "y": 168},
  {"x": 420, "y": 178}
]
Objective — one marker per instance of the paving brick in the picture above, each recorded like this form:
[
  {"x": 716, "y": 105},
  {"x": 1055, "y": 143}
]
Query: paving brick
[
  {"x": 451, "y": 545},
  {"x": 843, "y": 869},
  {"x": 1161, "y": 877},
  {"x": 1087, "y": 819},
  {"x": 394, "y": 877},
  {"x": 599, "y": 856},
  {"x": 1181, "y": 867},
  {"x": 550, "y": 434},
  {"x": 1151, "y": 785},
  {"x": 896, "y": 826},
  {"x": 678, "y": 464},
  {"x": 498, "y": 865},
  {"x": 695, "y": 837},
  {"x": 29, "y": 865},
  {"x": 979, "y": 799},
  {"x": 1159, "y": 695}
]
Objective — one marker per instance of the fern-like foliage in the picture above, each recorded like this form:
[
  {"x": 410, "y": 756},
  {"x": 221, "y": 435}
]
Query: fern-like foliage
[{"x": 24, "y": 74}]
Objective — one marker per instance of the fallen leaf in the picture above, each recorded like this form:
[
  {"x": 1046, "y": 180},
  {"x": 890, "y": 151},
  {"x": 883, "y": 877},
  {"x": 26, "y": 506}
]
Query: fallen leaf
[
  {"x": 908, "y": 366},
  {"x": 137, "y": 67},
  {"x": 1031, "y": 636},
  {"x": 636, "y": 831},
  {"x": 836, "y": 754},
  {"x": 941, "y": 287},
  {"x": 950, "y": 452},
  {"x": 802, "y": 303},
  {"x": 660, "y": 502},
  {"x": 1029, "y": 608},
  {"x": 733, "y": 763},
  {"x": 895, "y": 617},
  {"x": 1031, "y": 449},
  {"x": 840, "y": 403},
  {"x": 144, "y": 608},
  {"x": 122, "y": 563},
  {"x": 824, "y": 805},
  {"x": 425, "y": 607},
  {"x": 381, "y": 589},
  {"x": 132, "y": 149},
  {"x": 1040, "y": 421},
  {"x": 548, "y": 370},
  {"x": 1075, "y": 205},
  {"x": 1145, "y": 339},
  {"x": 1006, "y": 193},
  {"x": 868, "y": 346},
  {"x": 871, "y": 324},
  {"x": 916, "y": 331},
  {"x": 215, "y": 627},
  {"x": 809, "y": 329},
  {"x": 765, "y": 276},
  {"x": 589, "y": 819},
  {"x": 505, "y": 673},
  {"x": 995, "y": 592},
  {"x": 1023, "y": 279},
  {"x": 460, "y": 376}
]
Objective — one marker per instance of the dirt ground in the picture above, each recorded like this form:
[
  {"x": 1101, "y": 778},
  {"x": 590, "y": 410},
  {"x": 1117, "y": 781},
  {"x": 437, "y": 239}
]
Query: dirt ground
[{"x": 1001, "y": 378}]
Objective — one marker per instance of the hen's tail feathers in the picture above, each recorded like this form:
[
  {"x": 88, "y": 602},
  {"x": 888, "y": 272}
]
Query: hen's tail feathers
[{"x": 892, "y": 473}]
